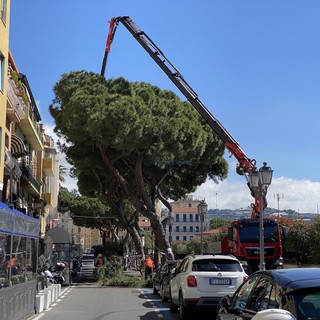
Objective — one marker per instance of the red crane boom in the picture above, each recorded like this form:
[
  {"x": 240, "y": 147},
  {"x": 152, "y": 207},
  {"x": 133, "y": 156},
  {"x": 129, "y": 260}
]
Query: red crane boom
[{"x": 245, "y": 165}]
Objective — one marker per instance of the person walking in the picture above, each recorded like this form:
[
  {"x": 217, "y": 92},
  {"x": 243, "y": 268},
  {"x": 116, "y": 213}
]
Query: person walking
[{"x": 148, "y": 267}]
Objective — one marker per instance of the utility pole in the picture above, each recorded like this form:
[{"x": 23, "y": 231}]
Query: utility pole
[
  {"x": 278, "y": 197},
  {"x": 217, "y": 199},
  {"x": 216, "y": 219}
]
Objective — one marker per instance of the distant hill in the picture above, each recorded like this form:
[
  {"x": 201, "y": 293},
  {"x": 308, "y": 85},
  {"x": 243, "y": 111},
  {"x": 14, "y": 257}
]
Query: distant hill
[{"x": 230, "y": 214}]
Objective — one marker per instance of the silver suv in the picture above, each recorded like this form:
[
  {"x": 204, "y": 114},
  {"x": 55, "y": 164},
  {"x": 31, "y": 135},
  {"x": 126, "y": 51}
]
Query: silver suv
[{"x": 200, "y": 281}]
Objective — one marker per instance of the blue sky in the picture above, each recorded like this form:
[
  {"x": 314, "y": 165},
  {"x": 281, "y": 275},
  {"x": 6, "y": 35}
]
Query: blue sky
[{"x": 255, "y": 64}]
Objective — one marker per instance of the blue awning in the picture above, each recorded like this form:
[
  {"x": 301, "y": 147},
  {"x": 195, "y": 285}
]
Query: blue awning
[{"x": 14, "y": 222}]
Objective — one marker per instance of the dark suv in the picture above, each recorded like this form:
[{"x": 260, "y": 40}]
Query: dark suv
[{"x": 162, "y": 277}]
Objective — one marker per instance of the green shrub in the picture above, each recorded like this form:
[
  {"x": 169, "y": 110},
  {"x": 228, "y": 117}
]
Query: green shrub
[{"x": 122, "y": 280}]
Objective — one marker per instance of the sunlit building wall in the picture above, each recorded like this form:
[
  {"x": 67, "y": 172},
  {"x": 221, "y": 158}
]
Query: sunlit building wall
[{"x": 4, "y": 49}]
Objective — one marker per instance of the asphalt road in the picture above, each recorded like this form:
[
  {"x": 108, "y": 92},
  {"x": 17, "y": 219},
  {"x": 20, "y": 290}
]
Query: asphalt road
[{"x": 90, "y": 301}]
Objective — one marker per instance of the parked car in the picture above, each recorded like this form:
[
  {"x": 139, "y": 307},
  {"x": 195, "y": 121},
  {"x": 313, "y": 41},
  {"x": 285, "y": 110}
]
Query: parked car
[
  {"x": 295, "y": 290},
  {"x": 165, "y": 276},
  {"x": 163, "y": 273},
  {"x": 200, "y": 281}
]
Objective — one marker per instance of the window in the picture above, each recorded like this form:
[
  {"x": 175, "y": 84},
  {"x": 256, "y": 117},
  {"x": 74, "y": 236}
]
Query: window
[
  {"x": 184, "y": 217},
  {"x": 177, "y": 217},
  {"x": 261, "y": 295},
  {"x": 3, "y": 13},
  {"x": 217, "y": 265},
  {"x": 191, "y": 228},
  {"x": 2, "y": 66},
  {"x": 241, "y": 298},
  {"x": 184, "y": 229},
  {"x": 191, "y": 217},
  {"x": 308, "y": 303},
  {"x": 204, "y": 265},
  {"x": 227, "y": 265},
  {"x": 177, "y": 229},
  {"x": 21, "y": 260}
]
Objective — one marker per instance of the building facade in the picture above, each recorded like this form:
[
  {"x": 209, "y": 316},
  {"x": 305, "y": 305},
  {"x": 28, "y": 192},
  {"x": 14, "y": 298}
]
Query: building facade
[
  {"x": 187, "y": 223},
  {"x": 4, "y": 50}
]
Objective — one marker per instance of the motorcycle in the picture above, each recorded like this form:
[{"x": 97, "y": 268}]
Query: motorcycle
[
  {"x": 44, "y": 272},
  {"x": 57, "y": 272},
  {"x": 75, "y": 271}
]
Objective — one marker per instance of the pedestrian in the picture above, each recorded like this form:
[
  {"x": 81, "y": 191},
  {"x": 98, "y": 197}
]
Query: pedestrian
[
  {"x": 13, "y": 264},
  {"x": 148, "y": 267},
  {"x": 99, "y": 262}
]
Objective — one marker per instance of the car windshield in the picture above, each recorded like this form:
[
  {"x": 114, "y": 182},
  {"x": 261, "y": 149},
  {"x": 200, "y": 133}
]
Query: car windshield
[
  {"x": 308, "y": 303},
  {"x": 216, "y": 265},
  {"x": 250, "y": 233}
]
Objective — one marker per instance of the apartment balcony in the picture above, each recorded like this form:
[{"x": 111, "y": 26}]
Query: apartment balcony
[
  {"x": 48, "y": 167},
  {"x": 31, "y": 130},
  {"x": 16, "y": 107},
  {"x": 29, "y": 181},
  {"x": 47, "y": 197}
]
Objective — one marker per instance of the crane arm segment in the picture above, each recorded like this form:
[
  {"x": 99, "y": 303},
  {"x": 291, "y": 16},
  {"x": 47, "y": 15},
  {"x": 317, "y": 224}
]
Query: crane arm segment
[{"x": 245, "y": 164}]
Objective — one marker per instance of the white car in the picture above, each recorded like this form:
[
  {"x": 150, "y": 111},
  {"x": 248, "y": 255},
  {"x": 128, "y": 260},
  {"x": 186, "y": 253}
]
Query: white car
[{"x": 200, "y": 281}]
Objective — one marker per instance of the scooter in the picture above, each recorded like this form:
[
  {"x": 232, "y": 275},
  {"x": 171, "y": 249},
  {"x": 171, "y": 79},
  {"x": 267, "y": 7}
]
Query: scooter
[
  {"x": 44, "y": 272},
  {"x": 57, "y": 272}
]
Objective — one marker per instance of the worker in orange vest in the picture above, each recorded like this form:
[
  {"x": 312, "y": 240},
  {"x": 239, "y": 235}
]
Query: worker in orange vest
[
  {"x": 13, "y": 263},
  {"x": 148, "y": 267}
]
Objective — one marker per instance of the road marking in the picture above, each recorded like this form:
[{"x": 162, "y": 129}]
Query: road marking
[
  {"x": 160, "y": 308},
  {"x": 63, "y": 294}
]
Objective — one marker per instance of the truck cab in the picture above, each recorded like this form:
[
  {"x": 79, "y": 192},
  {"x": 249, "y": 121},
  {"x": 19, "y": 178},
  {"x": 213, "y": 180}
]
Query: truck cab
[{"x": 244, "y": 243}]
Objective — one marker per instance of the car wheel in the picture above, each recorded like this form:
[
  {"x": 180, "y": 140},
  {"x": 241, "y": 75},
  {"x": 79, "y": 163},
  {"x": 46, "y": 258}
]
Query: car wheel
[
  {"x": 162, "y": 295},
  {"x": 172, "y": 306},
  {"x": 184, "y": 315}
]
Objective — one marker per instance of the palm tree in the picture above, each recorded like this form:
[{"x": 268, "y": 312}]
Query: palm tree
[{"x": 62, "y": 173}]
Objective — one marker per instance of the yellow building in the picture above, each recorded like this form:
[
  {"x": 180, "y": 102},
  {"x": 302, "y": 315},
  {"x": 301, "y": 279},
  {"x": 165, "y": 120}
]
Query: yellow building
[
  {"x": 31, "y": 165},
  {"x": 4, "y": 49}
]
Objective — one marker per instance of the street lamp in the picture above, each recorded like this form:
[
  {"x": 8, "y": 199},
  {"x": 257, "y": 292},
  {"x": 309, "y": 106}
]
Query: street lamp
[
  {"x": 170, "y": 223},
  {"x": 202, "y": 211},
  {"x": 259, "y": 182}
]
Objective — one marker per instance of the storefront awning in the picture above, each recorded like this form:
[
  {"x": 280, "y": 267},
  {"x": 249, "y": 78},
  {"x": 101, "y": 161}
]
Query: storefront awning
[
  {"x": 18, "y": 148},
  {"x": 58, "y": 236}
]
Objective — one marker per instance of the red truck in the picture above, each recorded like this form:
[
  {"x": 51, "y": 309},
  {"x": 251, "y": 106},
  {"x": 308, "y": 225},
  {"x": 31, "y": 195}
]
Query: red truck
[
  {"x": 243, "y": 239},
  {"x": 243, "y": 242}
]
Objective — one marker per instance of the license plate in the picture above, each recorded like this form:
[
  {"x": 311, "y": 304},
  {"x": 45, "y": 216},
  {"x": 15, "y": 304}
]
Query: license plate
[{"x": 223, "y": 281}]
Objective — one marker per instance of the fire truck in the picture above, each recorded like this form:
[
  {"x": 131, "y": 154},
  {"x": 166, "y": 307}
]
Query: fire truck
[{"x": 244, "y": 235}]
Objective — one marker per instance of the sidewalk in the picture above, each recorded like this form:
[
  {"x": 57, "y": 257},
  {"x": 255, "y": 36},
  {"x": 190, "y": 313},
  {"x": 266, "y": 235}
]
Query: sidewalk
[
  {"x": 46, "y": 297},
  {"x": 50, "y": 294}
]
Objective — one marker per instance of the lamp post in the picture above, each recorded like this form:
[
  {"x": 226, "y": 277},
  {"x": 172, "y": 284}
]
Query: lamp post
[
  {"x": 259, "y": 182},
  {"x": 202, "y": 211},
  {"x": 170, "y": 223}
]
